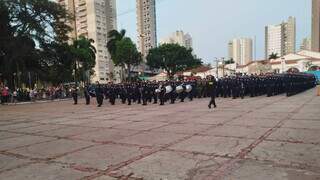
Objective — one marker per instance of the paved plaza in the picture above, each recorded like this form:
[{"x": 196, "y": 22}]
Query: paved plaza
[{"x": 260, "y": 138}]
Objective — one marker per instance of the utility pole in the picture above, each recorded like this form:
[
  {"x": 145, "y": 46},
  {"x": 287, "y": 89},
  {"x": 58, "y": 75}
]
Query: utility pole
[
  {"x": 283, "y": 63},
  {"x": 255, "y": 48},
  {"x": 223, "y": 67},
  {"x": 217, "y": 67}
]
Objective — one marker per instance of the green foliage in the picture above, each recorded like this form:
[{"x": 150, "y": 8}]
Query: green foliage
[
  {"x": 127, "y": 54},
  {"x": 230, "y": 61},
  {"x": 30, "y": 30},
  {"x": 114, "y": 36},
  {"x": 172, "y": 58},
  {"x": 273, "y": 56},
  {"x": 59, "y": 63},
  {"x": 84, "y": 52},
  {"x": 84, "y": 56}
]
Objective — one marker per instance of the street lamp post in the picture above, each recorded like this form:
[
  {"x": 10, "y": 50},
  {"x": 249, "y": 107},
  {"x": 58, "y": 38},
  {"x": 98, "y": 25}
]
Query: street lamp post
[{"x": 283, "y": 60}]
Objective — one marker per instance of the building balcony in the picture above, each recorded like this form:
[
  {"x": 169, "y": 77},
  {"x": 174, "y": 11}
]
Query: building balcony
[{"x": 82, "y": 3}]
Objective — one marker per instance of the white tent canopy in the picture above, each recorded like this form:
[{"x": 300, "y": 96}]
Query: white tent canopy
[{"x": 160, "y": 77}]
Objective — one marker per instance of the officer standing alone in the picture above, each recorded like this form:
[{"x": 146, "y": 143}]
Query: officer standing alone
[{"x": 212, "y": 88}]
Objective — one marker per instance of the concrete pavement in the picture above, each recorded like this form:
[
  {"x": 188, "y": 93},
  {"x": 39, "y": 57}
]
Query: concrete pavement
[{"x": 254, "y": 138}]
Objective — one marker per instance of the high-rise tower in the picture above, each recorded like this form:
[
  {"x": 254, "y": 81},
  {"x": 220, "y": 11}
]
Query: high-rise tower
[
  {"x": 280, "y": 39},
  {"x": 94, "y": 19},
  {"x": 315, "y": 37},
  {"x": 146, "y": 22}
]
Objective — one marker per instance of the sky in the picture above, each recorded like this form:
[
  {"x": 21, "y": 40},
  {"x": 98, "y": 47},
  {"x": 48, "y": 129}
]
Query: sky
[{"x": 212, "y": 23}]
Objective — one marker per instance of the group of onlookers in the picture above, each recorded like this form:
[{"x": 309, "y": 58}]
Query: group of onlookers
[{"x": 24, "y": 95}]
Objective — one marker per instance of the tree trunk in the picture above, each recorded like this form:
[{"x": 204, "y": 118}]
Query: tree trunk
[
  {"x": 129, "y": 72},
  {"x": 75, "y": 73},
  {"x": 18, "y": 76},
  {"x": 122, "y": 73}
]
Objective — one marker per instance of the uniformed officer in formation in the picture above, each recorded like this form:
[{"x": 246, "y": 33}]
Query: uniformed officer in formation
[
  {"x": 239, "y": 86},
  {"x": 86, "y": 91},
  {"x": 74, "y": 94},
  {"x": 99, "y": 94}
]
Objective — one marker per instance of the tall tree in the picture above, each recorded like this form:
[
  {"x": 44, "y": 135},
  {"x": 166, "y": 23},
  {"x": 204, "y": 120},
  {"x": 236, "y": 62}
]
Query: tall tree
[
  {"x": 84, "y": 54},
  {"x": 172, "y": 58},
  {"x": 59, "y": 63},
  {"x": 127, "y": 55},
  {"x": 29, "y": 26},
  {"x": 114, "y": 36}
]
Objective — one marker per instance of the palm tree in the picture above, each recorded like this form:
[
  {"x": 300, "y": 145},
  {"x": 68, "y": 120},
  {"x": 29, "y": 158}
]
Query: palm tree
[
  {"x": 273, "y": 56},
  {"x": 127, "y": 55},
  {"x": 85, "y": 55},
  {"x": 114, "y": 36}
]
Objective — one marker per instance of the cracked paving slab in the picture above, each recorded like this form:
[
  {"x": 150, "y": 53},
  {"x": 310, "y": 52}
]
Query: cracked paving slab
[
  {"x": 20, "y": 141},
  {"x": 160, "y": 166},
  {"x": 103, "y": 156},
  {"x": 222, "y": 146},
  {"x": 287, "y": 153},
  {"x": 296, "y": 135},
  {"x": 253, "y": 170},
  {"x": 41, "y": 171},
  {"x": 51, "y": 149},
  {"x": 8, "y": 162}
]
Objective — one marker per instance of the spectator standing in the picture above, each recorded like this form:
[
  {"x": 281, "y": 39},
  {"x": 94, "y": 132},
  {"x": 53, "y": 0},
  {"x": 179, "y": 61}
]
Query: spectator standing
[
  {"x": 5, "y": 95},
  {"x": 31, "y": 95},
  {"x": 15, "y": 96}
]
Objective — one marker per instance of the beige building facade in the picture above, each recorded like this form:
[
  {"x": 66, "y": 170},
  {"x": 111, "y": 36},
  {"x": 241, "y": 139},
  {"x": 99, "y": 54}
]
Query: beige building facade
[
  {"x": 306, "y": 44},
  {"x": 294, "y": 62},
  {"x": 281, "y": 39},
  {"x": 178, "y": 37},
  {"x": 146, "y": 25},
  {"x": 315, "y": 37},
  {"x": 94, "y": 19},
  {"x": 241, "y": 50}
]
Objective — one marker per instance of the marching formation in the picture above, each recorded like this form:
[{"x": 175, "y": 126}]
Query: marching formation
[{"x": 240, "y": 86}]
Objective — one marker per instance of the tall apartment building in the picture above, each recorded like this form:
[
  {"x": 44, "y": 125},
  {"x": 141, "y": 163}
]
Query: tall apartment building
[
  {"x": 306, "y": 44},
  {"x": 241, "y": 50},
  {"x": 230, "y": 49},
  {"x": 281, "y": 38},
  {"x": 70, "y": 7},
  {"x": 315, "y": 37},
  {"x": 94, "y": 19},
  {"x": 147, "y": 28},
  {"x": 178, "y": 37}
]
